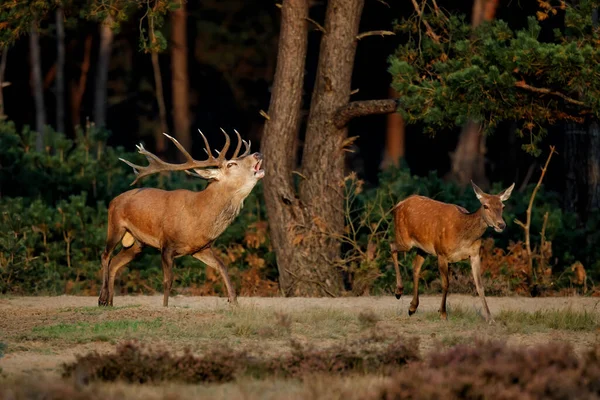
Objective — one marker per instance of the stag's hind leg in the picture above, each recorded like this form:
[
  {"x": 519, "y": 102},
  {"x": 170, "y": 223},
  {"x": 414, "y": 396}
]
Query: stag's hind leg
[
  {"x": 417, "y": 264},
  {"x": 124, "y": 257},
  {"x": 113, "y": 237},
  {"x": 209, "y": 258}
]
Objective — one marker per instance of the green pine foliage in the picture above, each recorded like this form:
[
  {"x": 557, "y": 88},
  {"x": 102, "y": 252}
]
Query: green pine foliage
[{"x": 452, "y": 73}]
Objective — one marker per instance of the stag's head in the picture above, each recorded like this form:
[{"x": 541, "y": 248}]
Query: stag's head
[
  {"x": 240, "y": 173},
  {"x": 493, "y": 206}
]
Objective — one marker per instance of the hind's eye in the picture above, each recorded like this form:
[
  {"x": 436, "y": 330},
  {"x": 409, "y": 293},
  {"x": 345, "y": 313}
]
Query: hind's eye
[
  {"x": 486, "y": 207},
  {"x": 229, "y": 165}
]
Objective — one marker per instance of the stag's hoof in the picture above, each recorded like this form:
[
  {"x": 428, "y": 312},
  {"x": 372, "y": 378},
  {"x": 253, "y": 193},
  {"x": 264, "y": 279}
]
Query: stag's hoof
[
  {"x": 443, "y": 316},
  {"x": 411, "y": 312},
  {"x": 103, "y": 303}
]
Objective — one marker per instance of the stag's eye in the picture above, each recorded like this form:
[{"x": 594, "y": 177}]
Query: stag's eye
[
  {"x": 231, "y": 164},
  {"x": 486, "y": 207}
]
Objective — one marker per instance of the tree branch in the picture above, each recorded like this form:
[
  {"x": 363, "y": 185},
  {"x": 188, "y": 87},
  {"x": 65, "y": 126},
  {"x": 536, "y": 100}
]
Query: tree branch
[
  {"x": 361, "y": 108},
  {"x": 430, "y": 32},
  {"x": 374, "y": 33},
  {"x": 523, "y": 85}
]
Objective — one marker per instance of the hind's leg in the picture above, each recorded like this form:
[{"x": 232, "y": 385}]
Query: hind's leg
[
  {"x": 113, "y": 237},
  {"x": 125, "y": 256},
  {"x": 395, "y": 248},
  {"x": 417, "y": 264}
]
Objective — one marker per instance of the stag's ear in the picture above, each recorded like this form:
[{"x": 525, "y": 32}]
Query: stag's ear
[
  {"x": 478, "y": 192},
  {"x": 506, "y": 193},
  {"x": 208, "y": 174}
]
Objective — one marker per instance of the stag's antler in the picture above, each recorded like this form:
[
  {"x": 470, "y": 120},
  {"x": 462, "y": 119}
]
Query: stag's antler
[{"x": 155, "y": 164}]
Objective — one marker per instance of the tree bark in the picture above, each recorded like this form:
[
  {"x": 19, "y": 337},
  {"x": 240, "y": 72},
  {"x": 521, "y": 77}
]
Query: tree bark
[
  {"x": 179, "y": 70},
  {"x": 60, "y": 71},
  {"x": 279, "y": 139},
  {"x": 321, "y": 189},
  {"x": 100, "y": 94},
  {"x": 468, "y": 160},
  {"x": 38, "y": 91}
]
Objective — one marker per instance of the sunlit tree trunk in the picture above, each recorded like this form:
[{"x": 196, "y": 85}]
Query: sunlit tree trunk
[
  {"x": 179, "y": 71},
  {"x": 100, "y": 91},
  {"x": 38, "y": 88},
  {"x": 60, "y": 71},
  {"x": 78, "y": 88},
  {"x": 394, "y": 137}
]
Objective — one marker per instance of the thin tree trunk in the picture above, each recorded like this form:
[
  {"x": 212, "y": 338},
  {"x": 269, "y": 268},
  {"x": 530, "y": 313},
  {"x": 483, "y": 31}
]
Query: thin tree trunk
[
  {"x": 78, "y": 89},
  {"x": 468, "y": 160},
  {"x": 160, "y": 139},
  {"x": 38, "y": 92},
  {"x": 279, "y": 138},
  {"x": 60, "y": 71},
  {"x": 321, "y": 189},
  {"x": 100, "y": 94},
  {"x": 2, "y": 71},
  {"x": 394, "y": 138},
  {"x": 179, "y": 71}
]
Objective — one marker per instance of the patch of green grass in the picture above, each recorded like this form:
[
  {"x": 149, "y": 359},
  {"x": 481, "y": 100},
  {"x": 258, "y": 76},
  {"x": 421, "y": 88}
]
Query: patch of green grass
[
  {"x": 567, "y": 319},
  {"x": 94, "y": 310},
  {"x": 82, "y": 332}
]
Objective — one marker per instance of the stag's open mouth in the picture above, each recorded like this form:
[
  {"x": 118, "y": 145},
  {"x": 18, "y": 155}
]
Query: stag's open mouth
[{"x": 258, "y": 172}]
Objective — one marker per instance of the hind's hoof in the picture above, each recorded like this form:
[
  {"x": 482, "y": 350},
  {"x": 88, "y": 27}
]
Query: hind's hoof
[
  {"x": 410, "y": 312},
  {"x": 398, "y": 295}
]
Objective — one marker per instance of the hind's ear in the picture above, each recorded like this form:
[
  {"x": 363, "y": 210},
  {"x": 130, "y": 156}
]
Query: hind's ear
[
  {"x": 506, "y": 193},
  {"x": 478, "y": 192}
]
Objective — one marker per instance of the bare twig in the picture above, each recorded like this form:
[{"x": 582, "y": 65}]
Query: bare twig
[
  {"x": 430, "y": 31},
  {"x": 374, "y": 33},
  {"x": 523, "y": 85},
  {"x": 320, "y": 284},
  {"x": 527, "y": 225},
  {"x": 315, "y": 23}
]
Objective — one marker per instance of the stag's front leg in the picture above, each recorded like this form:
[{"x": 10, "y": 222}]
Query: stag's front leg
[
  {"x": 476, "y": 269},
  {"x": 167, "y": 267},
  {"x": 208, "y": 257}
]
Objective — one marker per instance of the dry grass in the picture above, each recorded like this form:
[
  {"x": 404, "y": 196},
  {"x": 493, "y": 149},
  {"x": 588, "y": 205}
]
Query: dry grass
[{"x": 42, "y": 333}]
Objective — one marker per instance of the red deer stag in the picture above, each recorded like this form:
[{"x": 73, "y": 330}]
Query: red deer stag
[
  {"x": 447, "y": 231},
  {"x": 179, "y": 222}
]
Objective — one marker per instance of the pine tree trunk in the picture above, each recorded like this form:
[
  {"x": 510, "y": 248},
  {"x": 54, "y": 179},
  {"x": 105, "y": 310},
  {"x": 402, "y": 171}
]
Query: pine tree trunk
[
  {"x": 468, "y": 159},
  {"x": 279, "y": 139},
  {"x": 394, "y": 138},
  {"x": 321, "y": 189},
  {"x": 160, "y": 142},
  {"x": 38, "y": 89},
  {"x": 100, "y": 94},
  {"x": 78, "y": 89},
  {"x": 179, "y": 71},
  {"x": 60, "y": 71}
]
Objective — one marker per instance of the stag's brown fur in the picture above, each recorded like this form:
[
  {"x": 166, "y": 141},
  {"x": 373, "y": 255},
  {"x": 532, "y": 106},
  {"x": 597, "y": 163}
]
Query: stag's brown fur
[
  {"x": 178, "y": 222},
  {"x": 447, "y": 231}
]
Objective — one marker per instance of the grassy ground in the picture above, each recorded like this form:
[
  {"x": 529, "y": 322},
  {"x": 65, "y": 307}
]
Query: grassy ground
[{"x": 41, "y": 333}]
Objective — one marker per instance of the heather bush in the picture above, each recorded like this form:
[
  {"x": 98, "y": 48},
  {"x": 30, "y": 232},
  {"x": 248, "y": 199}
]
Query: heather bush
[
  {"x": 135, "y": 363},
  {"x": 494, "y": 370}
]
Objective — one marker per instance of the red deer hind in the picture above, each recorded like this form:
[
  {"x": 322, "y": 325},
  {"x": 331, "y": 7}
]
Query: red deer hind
[
  {"x": 447, "y": 231},
  {"x": 179, "y": 222}
]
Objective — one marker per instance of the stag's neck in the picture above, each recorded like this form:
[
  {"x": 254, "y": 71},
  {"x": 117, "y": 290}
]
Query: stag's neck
[
  {"x": 227, "y": 205},
  {"x": 475, "y": 225}
]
